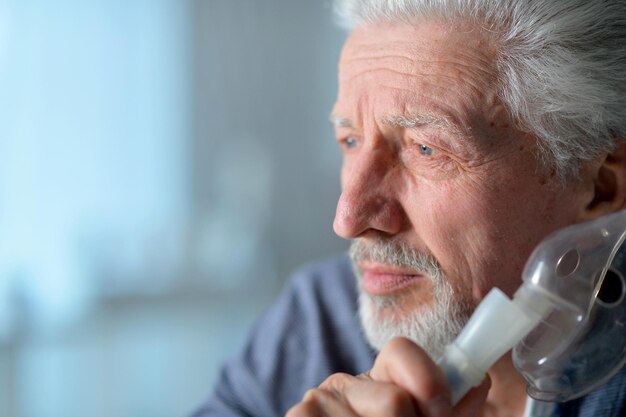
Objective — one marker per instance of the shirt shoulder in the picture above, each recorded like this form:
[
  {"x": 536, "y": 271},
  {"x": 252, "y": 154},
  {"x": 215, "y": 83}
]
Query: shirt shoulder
[
  {"x": 609, "y": 400},
  {"x": 310, "y": 332}
]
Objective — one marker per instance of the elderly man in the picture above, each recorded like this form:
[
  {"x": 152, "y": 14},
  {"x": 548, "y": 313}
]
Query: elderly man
[{"x": 470, "y": 130}]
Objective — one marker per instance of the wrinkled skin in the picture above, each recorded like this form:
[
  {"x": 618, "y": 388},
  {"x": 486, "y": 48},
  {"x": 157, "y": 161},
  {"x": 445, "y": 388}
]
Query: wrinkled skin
[{"x": 464, "y": 185}]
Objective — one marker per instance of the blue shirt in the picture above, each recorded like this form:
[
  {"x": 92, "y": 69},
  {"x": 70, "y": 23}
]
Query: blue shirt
[{"x": 313, "y": 331}]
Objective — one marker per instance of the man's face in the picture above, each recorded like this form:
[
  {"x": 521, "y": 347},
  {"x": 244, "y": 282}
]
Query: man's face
[{"x": 433, "y": 162}]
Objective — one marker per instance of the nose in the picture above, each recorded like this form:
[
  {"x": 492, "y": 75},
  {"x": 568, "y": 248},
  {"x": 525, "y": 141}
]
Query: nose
[{"x": 368, "y": 204}]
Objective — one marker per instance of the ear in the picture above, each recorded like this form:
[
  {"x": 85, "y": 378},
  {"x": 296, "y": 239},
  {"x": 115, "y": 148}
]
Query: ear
[{"x": 609, "y": 184}]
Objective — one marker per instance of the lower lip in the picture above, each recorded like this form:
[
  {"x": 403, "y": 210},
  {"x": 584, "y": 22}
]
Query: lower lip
[{"x": 376, "y": 283}]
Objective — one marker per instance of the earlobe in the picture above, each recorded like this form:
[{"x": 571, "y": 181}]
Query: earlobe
[{"x": 609, "y": 184}]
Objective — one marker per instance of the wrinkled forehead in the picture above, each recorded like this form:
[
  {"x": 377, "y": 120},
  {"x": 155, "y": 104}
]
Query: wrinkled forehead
[
  {"x": 426, "y": 66},
  {"x": 421, "y": 44}
]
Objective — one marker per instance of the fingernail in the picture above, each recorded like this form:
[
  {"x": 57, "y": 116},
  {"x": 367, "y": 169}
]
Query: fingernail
[{"x": 440, "y": 407}]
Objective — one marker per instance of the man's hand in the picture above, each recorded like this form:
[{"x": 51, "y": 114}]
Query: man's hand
[{"x": 403, "y": 382}]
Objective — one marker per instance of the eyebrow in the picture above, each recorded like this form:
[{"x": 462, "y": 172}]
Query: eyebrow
[
  {"x": 406, "y": 121},
  {"x": 419, "y": 120},
  {"x": 339, "y": 121}
]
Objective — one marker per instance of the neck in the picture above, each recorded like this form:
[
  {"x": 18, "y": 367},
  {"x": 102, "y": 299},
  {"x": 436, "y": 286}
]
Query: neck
[{"x": 507, "y": 396}]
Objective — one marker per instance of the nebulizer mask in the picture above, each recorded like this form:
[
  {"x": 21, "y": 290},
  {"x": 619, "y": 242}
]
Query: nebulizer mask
[{"x": 566, "y": 323}]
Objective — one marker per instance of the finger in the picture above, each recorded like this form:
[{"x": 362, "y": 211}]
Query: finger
[
  {"x": 371, "y": 398},
  {"x": 365, "y": 375},
  {"x": 403, "y": 363},
  {"x": 339, "y": 381},
  {"x": 305, "y": 409},
  {"x": 473, "y": 400},
  {"x": 318, "y": 402}
]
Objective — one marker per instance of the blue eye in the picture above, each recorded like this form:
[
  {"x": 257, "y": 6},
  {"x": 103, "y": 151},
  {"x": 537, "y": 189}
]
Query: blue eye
[
  {"x": 350, "y": 142},
  {"x": 425, "y": 150}
]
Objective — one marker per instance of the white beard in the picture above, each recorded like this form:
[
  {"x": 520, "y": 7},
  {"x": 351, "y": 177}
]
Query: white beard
[{"x": 432, "y": 327}]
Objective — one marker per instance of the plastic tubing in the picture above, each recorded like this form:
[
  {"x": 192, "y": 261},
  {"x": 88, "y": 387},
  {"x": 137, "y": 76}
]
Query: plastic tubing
[{"x": 496, "y": 326}]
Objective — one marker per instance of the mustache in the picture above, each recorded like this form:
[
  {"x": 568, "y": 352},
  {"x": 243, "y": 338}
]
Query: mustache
[{"x": 397, "y": 254}]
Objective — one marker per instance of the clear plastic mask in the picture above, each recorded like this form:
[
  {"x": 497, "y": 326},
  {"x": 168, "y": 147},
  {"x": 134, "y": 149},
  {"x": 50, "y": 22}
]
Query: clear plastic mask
[
  {"x": 581, "y": 342},
  {"x": 566, "y": 323}
]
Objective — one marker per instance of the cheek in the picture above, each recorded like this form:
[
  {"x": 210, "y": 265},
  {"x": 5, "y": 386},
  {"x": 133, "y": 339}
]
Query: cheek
[
  {"x": 455, "y": 225},
  {"x": 483, "y": 235},
  {"x": 470, "y": 239}
]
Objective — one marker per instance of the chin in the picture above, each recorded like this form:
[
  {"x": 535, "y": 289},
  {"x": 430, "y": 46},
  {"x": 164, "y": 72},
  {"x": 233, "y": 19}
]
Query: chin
[{"x": 431, "y": 324}]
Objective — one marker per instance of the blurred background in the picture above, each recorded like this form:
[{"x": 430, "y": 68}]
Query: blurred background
[{"x": 164, "y": 166}]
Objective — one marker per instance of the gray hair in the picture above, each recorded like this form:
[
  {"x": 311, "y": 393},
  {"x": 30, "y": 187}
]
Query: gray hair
[{"x": 561, "y": 64}]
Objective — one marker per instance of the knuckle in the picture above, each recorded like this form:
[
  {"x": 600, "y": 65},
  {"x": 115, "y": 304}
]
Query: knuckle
[
  {"x": 312, "y": 396},
  {"x": 303, "y": 409},
  {"x": 336, "y": 382},
  {"x": 311, "y": 404}
]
